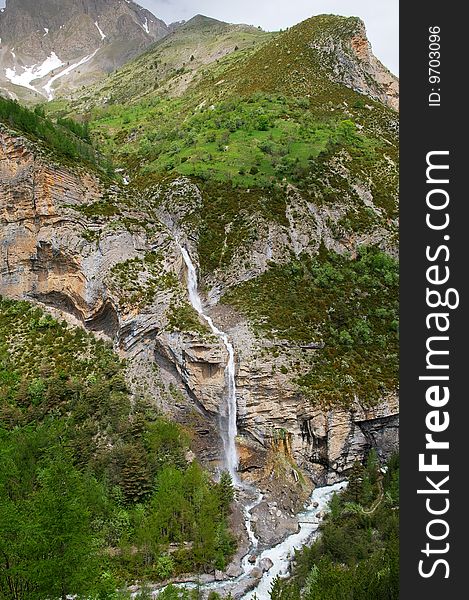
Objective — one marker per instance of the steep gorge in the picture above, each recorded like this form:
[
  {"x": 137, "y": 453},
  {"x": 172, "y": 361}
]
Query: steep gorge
[{"x": 53, "y": 253}]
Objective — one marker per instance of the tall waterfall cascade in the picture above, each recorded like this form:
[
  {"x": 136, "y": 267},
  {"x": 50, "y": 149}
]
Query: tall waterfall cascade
[{"x": 229, "y": 428}]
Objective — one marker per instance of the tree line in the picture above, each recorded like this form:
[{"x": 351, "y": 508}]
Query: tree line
[{"x": 66, "y": 138}]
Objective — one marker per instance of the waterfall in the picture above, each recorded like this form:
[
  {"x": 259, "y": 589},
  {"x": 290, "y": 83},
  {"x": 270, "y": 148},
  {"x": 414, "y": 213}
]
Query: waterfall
[
  {"x": 229, "y": 426},
  {"x": 282, "y": 554}
]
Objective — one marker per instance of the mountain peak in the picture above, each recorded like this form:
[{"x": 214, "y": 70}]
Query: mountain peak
[
  {"x": 314, "y": 57},
  {"x": 200, "y": 21},
  {"x": 47, "y": 44}
]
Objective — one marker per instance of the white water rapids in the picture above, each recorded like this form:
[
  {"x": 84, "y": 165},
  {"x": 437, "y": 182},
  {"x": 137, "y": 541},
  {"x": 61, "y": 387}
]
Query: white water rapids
[{"x": 282, "y": 554}]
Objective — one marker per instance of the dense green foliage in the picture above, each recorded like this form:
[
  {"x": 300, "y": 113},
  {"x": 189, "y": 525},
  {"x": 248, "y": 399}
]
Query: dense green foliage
[
  {"x": 48, "y": 540},
  {"x": 246, "y": 152},
  {"x": 349, "y": 304},
  {"x": 251, "y": 142},
  {"x": 357, "y": 554},
  {"x": 78, "y": 129},
  {"x": 66, "y": 138},
  {"x": 95, "y": 489}
]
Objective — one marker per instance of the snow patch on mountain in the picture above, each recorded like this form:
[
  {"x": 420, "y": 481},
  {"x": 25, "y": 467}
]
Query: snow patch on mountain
[
  {"x": 34, "y": 72},
  {"x": 34, "y": 31},
  {"x": 48, "y": 87},
  {"x": 101, "y": 33}
]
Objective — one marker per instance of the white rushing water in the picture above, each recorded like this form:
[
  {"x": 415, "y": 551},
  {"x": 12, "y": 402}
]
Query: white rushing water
[
  {"x": 283, "y": 554},
  {"x": 229, "y": 426}
]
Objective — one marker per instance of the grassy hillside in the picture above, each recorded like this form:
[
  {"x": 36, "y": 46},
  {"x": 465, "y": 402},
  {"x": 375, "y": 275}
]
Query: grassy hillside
[
  {"x": 250, "y": 111},
  {"x": 172, "y": 64},
  {"x": 301, "y": 62},
  {"x": 257, "y": 139}
]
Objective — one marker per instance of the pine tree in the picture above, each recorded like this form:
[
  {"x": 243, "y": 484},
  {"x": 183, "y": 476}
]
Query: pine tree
[
  {"x": 65, "y": 541},
  {"x": 135, "y": 478},
  {"x": 354, "y": 489},
  {"x": 372, "y": 466},
  {"x": 225, "y": 492}
]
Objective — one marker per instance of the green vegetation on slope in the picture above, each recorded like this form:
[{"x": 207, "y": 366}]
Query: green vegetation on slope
[
  {"x": 258, "y": 115},
  {"x": 301, "y": 62},
  {"x": 243, "y": 153},
  {"x": 245, "y": 126},
  {"x": 67, "y": 139},
  {"x": 249, "y": 142},
  {"x": 357, "y": 554},
  {"x": 225, "y": 223},
  {"x": 95, "y": 490},
  {"x": 168, "y": 67},
  {"x": 136, "y": 280},
  {"x": 349, "y": 304}
]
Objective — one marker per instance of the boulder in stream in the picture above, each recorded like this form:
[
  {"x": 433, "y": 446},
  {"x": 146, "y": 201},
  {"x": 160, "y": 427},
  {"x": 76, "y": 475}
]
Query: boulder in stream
[
  {"x": 266, "y": 564},
  {"x": 256, "y": 573}
]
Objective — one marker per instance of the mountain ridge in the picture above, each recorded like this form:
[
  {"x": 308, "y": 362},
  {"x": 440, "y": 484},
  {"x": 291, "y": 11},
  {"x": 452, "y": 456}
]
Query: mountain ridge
[
  {"x": 49, "y": 45},
  {"x": 314, "y": 59}
]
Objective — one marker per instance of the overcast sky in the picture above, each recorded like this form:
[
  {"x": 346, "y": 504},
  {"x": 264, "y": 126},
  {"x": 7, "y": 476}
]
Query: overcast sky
[{"x": 381, "y": 16}]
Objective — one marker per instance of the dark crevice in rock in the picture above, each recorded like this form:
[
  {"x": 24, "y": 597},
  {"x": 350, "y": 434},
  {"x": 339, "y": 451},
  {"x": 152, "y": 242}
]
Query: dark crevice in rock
[
  {"x": 105, "y": 320},
  {"x": 244, "y": 430},
  {"x": 382, "y": 434},
  {"x": 59, "y": 301}
]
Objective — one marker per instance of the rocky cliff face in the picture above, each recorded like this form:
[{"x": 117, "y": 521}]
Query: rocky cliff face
[
  {"x": 50, "y": 46},
  {"x": 74, "y": 244},
  {"x": 352, "y": 62}
]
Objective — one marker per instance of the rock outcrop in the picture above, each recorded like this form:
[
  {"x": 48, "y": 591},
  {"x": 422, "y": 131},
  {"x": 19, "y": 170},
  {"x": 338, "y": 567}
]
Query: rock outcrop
[
  {"x": 385, "y": 85},
  {"x": 353, "y": 63}
]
